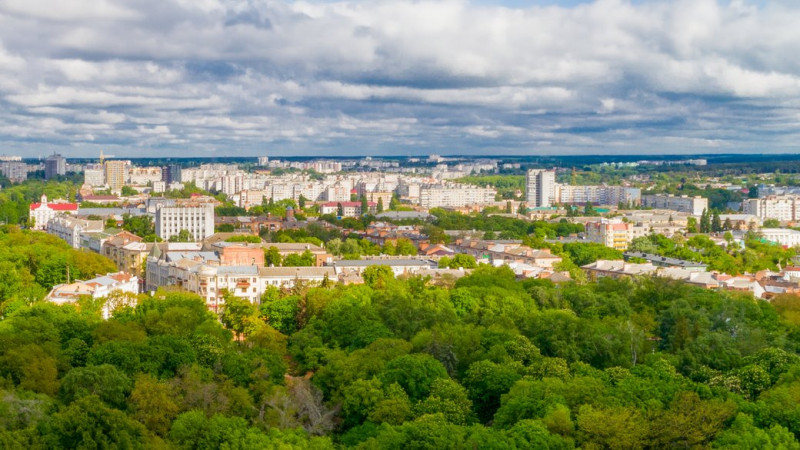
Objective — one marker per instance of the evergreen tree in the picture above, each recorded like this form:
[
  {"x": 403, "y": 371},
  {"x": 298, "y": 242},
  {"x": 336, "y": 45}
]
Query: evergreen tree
[
  {"x": 705, "y": 222},
  {"x": 340, "y": 210},
  {"x": 380, "y": 205},
  {"x": 716, "y": 223}
]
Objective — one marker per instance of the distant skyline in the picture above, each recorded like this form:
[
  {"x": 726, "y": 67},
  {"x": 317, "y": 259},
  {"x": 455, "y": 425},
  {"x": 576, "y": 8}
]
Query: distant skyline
[{"x": 154, "y": 78}]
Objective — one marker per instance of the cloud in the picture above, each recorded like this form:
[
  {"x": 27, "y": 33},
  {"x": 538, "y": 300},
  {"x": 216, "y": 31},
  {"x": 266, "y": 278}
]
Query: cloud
[{"x": 398, "y": 76}]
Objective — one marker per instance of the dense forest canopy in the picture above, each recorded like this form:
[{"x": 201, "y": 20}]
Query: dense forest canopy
[{"x": 485, "y": 361}]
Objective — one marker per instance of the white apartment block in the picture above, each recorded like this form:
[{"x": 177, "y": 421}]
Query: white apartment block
[
  {"x": 601, "y": 195},
  {"x": 94, "y": 175},
  {"x": 454, "y": 195},
  {"x": 780, "y": 207},
  {"x": 197, "y": 218},
  {"x": 540, "y": 188},
  {"x": 692, "y": 205},
  {"x": 782, "y": 236},
  {"x": 70, "y": 228}
]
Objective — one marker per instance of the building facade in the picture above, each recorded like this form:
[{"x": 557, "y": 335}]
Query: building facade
[
  {"x": 692, "y": 205},
  {"x": 780, "y": 207},
  {"x": 540, "y": 188},
  {"x": 40, "y": 213},
  {"x": 54, "y": 166},
  {"x": 196, "y": 218}
]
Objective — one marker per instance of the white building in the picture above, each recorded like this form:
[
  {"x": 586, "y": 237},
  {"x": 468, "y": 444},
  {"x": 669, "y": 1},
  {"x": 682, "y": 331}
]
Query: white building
[
  {"x": 692, "y": 205},
  {"x": 197, "y": 218},
  {"x": 142, "y": 176},
  {"x": 15, "y": 171},
  {"x": 780, "y": 207},
  {"x": 70, "y": 228},
  {"x": 349, "y": 209},
  {"x": 41, "y": 213},
  {"x": 454, "y": 195},
  {"x": 610, "y": 232},
  {"x": 782, "y": 236},
  {"x": 94, "y": 175},
  {"x": 540, "y": 188},
  {"x": 100, "y": 287},
  {"x": 249, "y": 282},
  {"x": 601, "y": 195}
]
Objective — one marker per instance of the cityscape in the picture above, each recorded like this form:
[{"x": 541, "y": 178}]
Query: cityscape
[{"x": 433, "y": 224}]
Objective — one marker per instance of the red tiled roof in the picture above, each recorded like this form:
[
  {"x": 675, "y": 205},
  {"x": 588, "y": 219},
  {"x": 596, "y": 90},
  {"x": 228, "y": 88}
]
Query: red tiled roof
[{"x": 57, "y": 206}]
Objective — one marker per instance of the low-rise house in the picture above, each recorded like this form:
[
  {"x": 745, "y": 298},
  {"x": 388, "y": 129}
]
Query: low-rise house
[{"x": 100, "y": 287}]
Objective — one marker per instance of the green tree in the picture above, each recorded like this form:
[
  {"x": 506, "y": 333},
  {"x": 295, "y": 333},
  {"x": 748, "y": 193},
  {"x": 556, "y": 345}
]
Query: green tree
[
  {"x": 183, "y": 236},
  {"x": 272, "y": 257},
  {"x": 380, "y": 205},
  {"x": 415, "y": 373},
  {"x": 377, "y": 276},
  {"x": 105, "y": 381}
]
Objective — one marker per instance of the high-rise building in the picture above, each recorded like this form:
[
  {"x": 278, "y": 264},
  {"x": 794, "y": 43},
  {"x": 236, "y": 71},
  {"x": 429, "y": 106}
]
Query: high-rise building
[
  {"x": 263, "y": 161},
  {"x": 54, "y": 166},
  {"x": 540, "y": 187},
  {"x": 94, "y": 175},
  {"x": 196, "y": 218},
  {"x": 16, "y": 171},
  {"x": 115, "y": 174},
  {"x": 171, "y": 173}
]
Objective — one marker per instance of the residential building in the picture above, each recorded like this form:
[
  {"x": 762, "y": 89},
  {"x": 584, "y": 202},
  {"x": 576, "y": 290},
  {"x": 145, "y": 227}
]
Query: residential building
[
  {"x": 782, "y": 236},
  {"x": 142, "y": 176},
  {"x": 116, "y": 174},
  {"x": 692, "y": 205},
  {"x": 663, "y": 261},
  {"x": 349, "y": 209},
  {"x": 195, "y": 217},
  {"x": 249, "y": 282},
  {"x": 540, "y": 188},
  {"x": 610, "y": 232},
  {"x": 781, "y": 207},
  {"x": 54, "y": 166},
  {"x": 454, "y": 195},
  {"x": 16, "y": 171},
  {"x": 71, "y": 228},
  {"x": 40, "y": 213},
  {"x": 599, "y": 195},
  {"x": 94, "y": 175},
  {"x": 398, "y": 266},
  {"x": 101, "y": 287}
]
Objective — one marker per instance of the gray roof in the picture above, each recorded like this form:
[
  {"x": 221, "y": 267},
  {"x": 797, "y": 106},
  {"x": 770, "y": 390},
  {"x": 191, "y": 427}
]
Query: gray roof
[
  {"x": 237, "y": 270},
  {"x": 110, "y": 211},
  {"x": 383, "y": 262},
  {"x": 205, "y": 256},
  {"x": 399, "y": 215},
  {"x": 663, "y": 260}
]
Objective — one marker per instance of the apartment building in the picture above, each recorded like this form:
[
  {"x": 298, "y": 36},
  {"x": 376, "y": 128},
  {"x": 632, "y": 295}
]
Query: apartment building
[
  {"x": 94, "y": 175},
  {"x": 70, "y": 228},
  {"x": 540, "y": 188},
  {"x": 54, "y": 166},
  {"x": 599, "y": 194},
  {"x": 142, "y": 176},
  {"x": 615, "y": 233},
  {"x": 781, "y": 236},
  {"x": 454, "y": 195},
  {"x": 195, "y": 217},
  {"x": 116, "y": 174},
  {"x": 249, "y": 282},
  {"x": 16, "y": 171},
  {"x": 780, "y": 207},
  {"x": 349, "y": 209},
  {"x": 692, "y": 205}
]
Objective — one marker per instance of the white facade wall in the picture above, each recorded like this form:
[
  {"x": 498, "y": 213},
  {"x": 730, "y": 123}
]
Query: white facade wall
[{"x": 197, "y": 219}]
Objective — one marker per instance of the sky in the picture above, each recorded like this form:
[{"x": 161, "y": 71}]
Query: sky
[{"x": 398, "y": 77}]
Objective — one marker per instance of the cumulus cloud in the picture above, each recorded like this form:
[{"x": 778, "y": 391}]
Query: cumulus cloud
[{"x": 408, "y": 76}]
